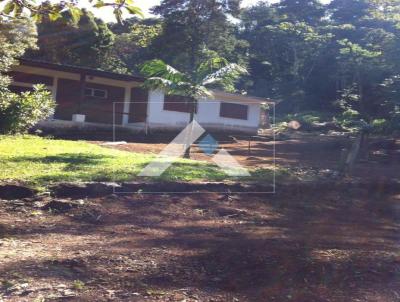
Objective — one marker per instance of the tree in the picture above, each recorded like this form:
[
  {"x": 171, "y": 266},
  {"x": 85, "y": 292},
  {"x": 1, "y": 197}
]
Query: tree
[
  {"x": 313, "y": 56},
  {"x": 212, "y": 73},
  {"x": 87, "y": 42},
  {"x": 367, "y": 56},
  {"x": 133, "y": 42},
  {"x": 19, "y": 112},
  {"x": 16, "y": 36},
  {"x": 190, "y": 26},
  {"x": 286, "y": 46},
  {"x": 307, "y": 11}
]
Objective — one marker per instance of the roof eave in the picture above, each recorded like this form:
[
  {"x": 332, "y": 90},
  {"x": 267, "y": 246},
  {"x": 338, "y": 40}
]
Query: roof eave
[
  {"x": 240, "y": 97},
  {"x": 78, "y": 69}
]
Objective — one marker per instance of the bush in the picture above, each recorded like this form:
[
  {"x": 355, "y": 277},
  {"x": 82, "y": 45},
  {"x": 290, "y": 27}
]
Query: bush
[
  {"x": 380, "y": 125},
  {"x": 350, "y": 120},
  {"x": 351, "y": 114},
  {"x": 19, "y": 112},
  {"x": 386, "y": 126},
  {"x": 306, "y": 118}
]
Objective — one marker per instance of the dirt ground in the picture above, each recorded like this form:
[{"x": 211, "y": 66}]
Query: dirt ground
[
  {"x": 339, "y": 243},
  {"x": 303, "y": 151},
  {"x": 327, "y": 242}
]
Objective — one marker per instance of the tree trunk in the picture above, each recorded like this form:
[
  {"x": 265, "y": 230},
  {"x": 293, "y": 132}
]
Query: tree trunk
[
  {"x": 354, "y": 153},
  {"x": 189, "y": 136}
]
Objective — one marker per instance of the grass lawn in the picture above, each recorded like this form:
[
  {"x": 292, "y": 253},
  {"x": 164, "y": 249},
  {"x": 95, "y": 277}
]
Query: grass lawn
[{"x": 39, "y": 162}]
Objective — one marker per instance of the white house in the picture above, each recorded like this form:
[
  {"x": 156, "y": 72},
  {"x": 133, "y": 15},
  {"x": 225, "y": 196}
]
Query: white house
[{"x": 92, "y": 96}]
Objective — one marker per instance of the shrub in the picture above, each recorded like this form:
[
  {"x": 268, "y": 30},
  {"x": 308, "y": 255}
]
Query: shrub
[
  {"x": 380, "y": 125},
  {"x": 306, "y": 118},
  {"x": 386, "y": 126},
  {"x": 19, "y": 112},
  {"x": 351, "y": 114},
  {"x": 350, "y": 120}
]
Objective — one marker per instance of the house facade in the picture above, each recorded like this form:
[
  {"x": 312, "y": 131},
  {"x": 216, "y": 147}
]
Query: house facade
[{"x": 91, "y": 96}]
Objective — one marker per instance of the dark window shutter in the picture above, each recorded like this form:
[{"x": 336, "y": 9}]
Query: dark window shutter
[
  {"x": 236, "y": 111},
  {"x": 178, "y": 103}
]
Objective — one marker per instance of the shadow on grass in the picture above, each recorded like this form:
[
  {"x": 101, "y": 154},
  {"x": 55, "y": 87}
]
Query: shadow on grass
[
  {"x": 98, "y": 167},
  {"x": 67, "y": 167}
]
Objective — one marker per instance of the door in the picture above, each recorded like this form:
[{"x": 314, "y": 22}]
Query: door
[{"x": 138, "y": 106}]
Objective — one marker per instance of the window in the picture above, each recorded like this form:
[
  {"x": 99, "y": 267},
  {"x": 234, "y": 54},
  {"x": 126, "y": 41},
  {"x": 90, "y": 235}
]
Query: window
[
  {"x": 236, "y": 111},
  {"x": 177, "y": 103},
  {"x": 96, "y": 93}
]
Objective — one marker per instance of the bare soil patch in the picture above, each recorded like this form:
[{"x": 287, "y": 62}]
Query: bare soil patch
[
  {"x": 339, "y": 243},
  {"x": 300, "y": 152}
]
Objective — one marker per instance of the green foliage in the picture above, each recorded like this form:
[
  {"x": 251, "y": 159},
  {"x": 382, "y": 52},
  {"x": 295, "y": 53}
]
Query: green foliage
[
  {"x": 305, "y": 117},
  {"x": 87, "y": 42},
  {"x": 224, "y": 77},
  {"x": 132, "y": 45},
  {"x": 351, "y": 114},
  {"x": 380, "y": 125},
  {"x": 144, "y": 34},
  {"x": 309, "y": 55},
  {"x": 284, "y": 50},
  {"x": 56, "y": 10},
  {"x": 158, "y": 69},
  {"x": 190, "y": 26},
  {"x": 78, "y": 285},
  {"x": 356, "y": 52},
  {"x": 214, "y": 72},
  {"x": 18, "y": 113},
  {"x": 386, "y": 126},
  {"x": 343, "y": 57},
  {"x": 16, "y": 36}
]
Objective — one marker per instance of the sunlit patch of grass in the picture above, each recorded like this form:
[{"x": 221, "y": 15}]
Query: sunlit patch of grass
[{"x": 42, "y": 162}]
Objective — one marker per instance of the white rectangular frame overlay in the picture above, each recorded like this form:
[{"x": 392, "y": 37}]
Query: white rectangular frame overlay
[{"x": 211, "y": 192}]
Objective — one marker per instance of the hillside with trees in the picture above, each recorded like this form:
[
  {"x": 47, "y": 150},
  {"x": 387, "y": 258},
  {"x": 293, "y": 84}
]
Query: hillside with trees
[
  {"x": 312, "y": 210},
  {"x": 339, "y": 60}
]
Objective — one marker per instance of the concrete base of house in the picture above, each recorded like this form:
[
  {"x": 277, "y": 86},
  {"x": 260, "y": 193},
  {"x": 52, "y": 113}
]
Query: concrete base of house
[
  {"x": 109, "y": 132},
  {"x": 61, "y": 126},
  {"x": 210, "y": 127}
]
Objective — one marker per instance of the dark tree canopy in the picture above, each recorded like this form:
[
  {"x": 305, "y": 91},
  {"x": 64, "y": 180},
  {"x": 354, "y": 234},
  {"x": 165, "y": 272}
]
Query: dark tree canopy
[
  {"x": 193, "y": 28},
  {"x": 85, "y": 43}
]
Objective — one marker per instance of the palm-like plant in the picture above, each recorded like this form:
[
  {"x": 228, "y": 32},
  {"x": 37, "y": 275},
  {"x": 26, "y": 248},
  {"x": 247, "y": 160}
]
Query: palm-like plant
[{"x": 212, "y": 73}]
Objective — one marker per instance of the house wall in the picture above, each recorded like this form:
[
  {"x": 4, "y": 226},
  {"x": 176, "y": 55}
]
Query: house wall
[
  {"x": 65, "y": 89},
  {"x": 31, "y": 78},
  {"x": 96, "y": 110},
  {"x": 66, "y": 92},
  {"x": 158, "y": 117},
  {"x": 207, "y": 115}
]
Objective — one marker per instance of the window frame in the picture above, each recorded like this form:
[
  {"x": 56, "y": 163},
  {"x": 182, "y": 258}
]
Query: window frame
[
  {"x": 177, "y": 100},
  {"x": 93, "y": 90}
]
